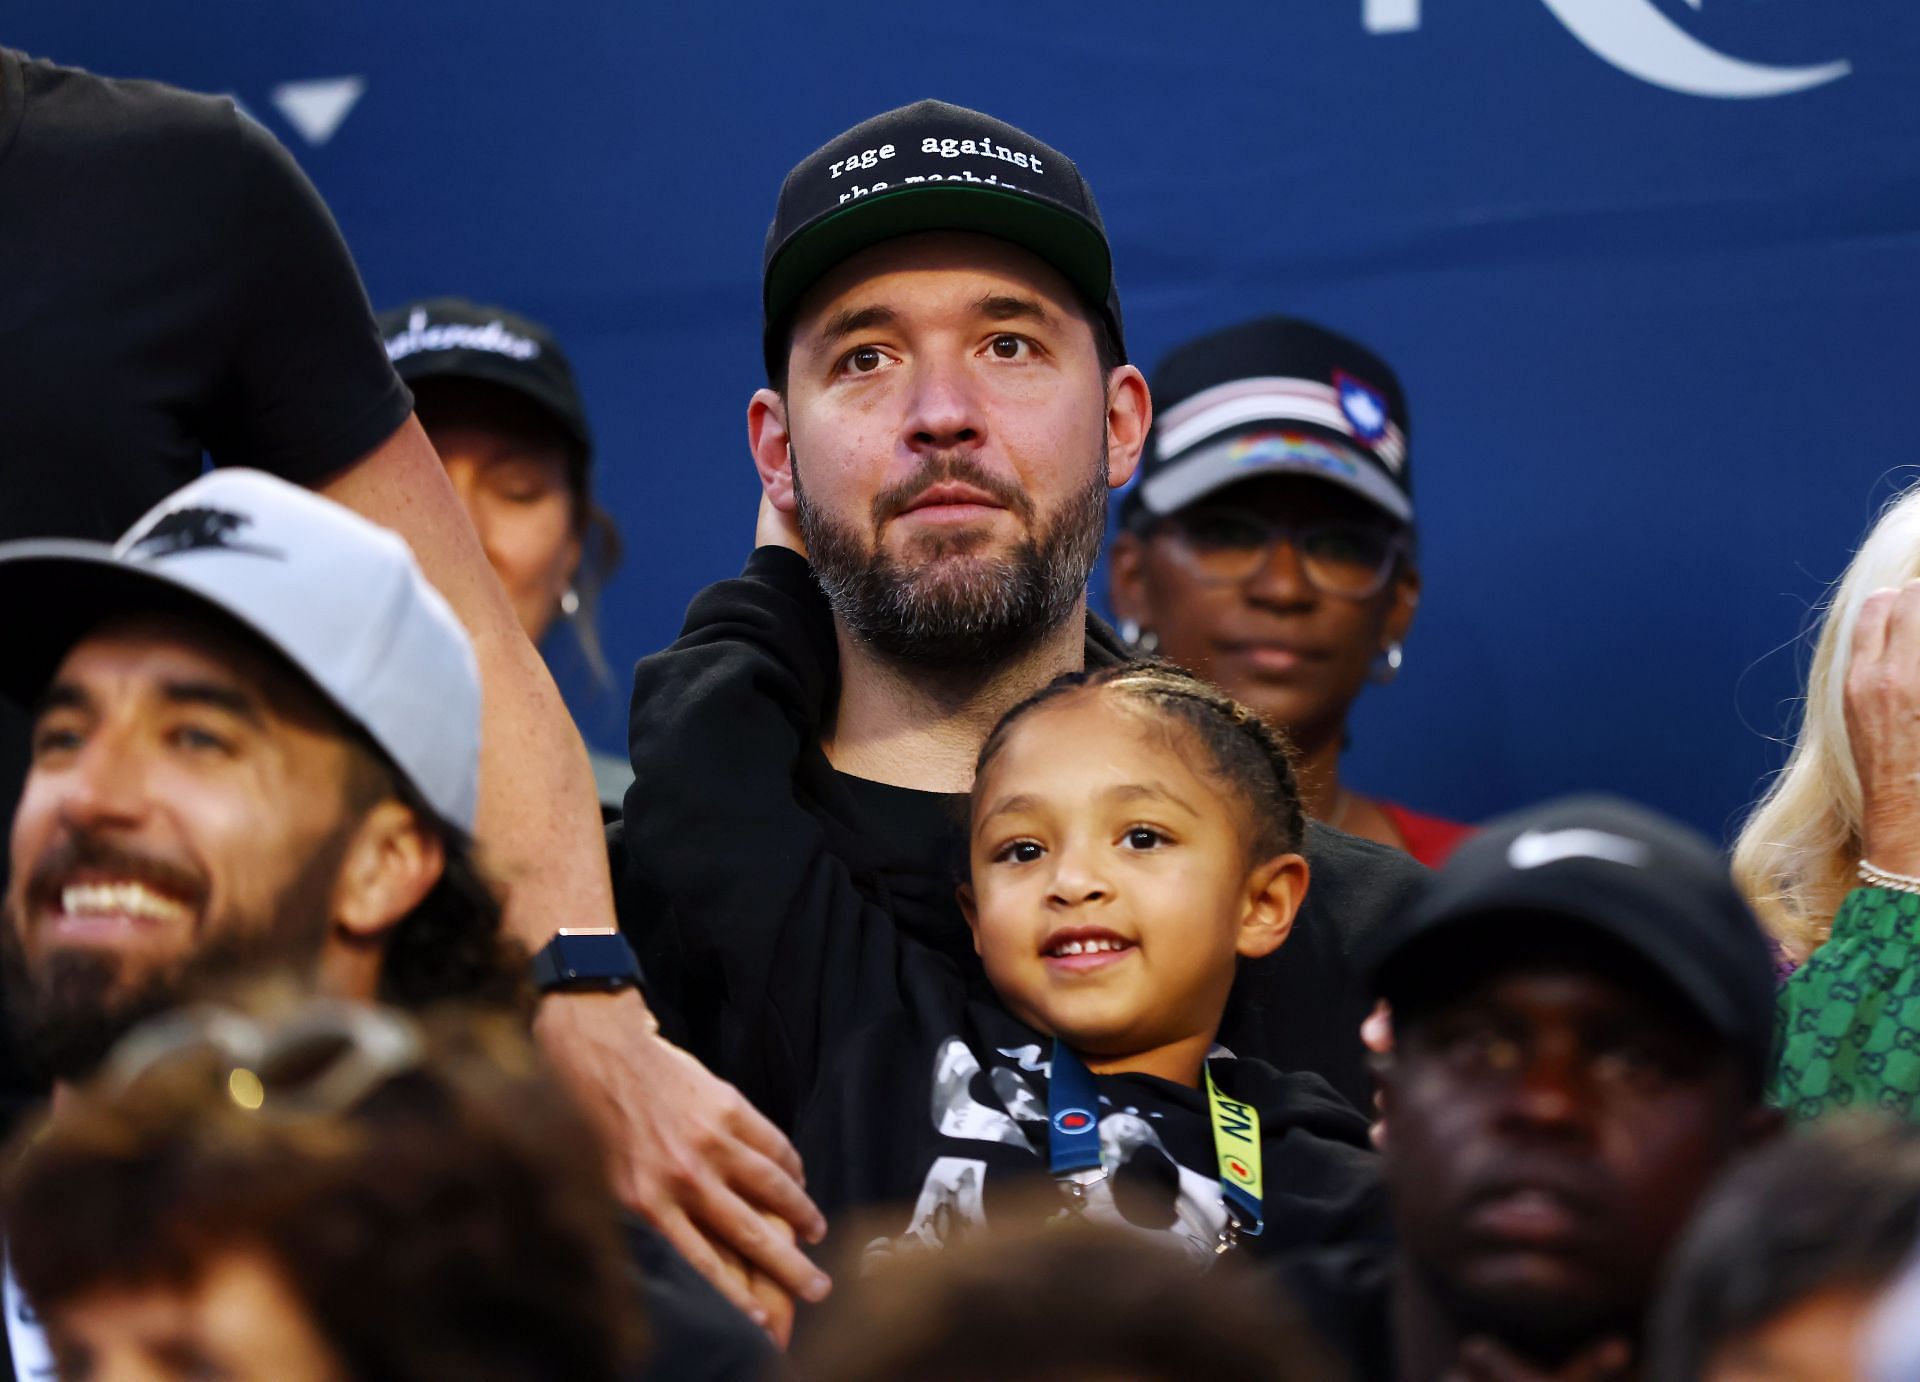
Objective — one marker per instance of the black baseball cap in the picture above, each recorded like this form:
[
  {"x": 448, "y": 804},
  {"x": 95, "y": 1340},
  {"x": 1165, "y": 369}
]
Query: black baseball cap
[
  {"x": 932, "y": 166},
  {"x": 1613, "y": 870},
  {"x": 1273, "y": 396},
  {"x": 452, "y": 338}
]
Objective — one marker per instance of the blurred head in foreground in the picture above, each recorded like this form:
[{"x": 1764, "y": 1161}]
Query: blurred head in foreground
[
  {"x": 1582, "y": 1008},
  {"x": 338, "y": 1192},
  {"x": 1065, "y": 1303},
  {"x": 1780, "y": 1273}
]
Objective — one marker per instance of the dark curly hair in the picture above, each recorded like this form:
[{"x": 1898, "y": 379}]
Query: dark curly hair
[
  {"x": 1243, "y": 750},
  {"x": 450, "y": 946}
]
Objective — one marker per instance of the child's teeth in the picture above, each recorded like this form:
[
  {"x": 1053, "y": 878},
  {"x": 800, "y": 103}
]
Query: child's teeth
[{"x": 1097, "y": 945}]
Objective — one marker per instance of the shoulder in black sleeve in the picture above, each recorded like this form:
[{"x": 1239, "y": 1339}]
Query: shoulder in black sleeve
[
  {"x": 1301, "y": 1007},
  {"x": 173, "y": 288},
  {"x": 308, "y": 387},
  {"x": 1346, "y": 1292},
  {"x": 754, "y": 928}
]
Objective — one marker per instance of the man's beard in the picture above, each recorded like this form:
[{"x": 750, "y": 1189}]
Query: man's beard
[
  {"x": 70, "y": 1013},
  {"x": 943, "y": 608}
]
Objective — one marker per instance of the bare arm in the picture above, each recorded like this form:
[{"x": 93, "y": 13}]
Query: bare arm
[
  {"x": 688, "y": 1151},
  {"x": 539, "y": 825}
]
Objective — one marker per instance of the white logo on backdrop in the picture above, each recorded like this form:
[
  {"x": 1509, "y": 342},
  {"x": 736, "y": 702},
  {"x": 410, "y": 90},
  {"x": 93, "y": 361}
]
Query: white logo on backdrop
[
  {"x": 316, "y": 108},
  {"x": 1641, "y": 41}
]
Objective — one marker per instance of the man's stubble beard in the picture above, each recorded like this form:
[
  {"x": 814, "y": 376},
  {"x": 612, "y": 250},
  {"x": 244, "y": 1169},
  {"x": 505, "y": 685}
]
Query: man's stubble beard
[
  {"x": 942, "y": 609},
  {"x": 67, "y": 1017}
]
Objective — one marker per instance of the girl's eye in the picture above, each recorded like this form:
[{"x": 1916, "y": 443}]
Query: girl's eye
[
  {"x": 1008, "y": 347},
  {"x": 1144, "y": 837},
  {"x": 1019, "y": 852}
]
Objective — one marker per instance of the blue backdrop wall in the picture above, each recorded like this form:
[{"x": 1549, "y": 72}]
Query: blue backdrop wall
[{"x": 1650, "y": 269}]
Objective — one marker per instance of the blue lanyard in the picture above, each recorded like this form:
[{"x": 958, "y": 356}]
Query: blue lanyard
[
  {"x": 1073, "y": 1137},
  {"x": 1073, "y": 1121}
]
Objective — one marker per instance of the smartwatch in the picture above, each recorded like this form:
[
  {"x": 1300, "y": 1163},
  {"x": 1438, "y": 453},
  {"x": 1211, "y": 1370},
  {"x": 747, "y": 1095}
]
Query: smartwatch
[{"x": 594, "y": 960}]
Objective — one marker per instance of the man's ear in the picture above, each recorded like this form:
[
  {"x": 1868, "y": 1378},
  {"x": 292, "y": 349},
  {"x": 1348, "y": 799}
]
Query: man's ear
[
  {"x": 1127, "y": 578},
  {"x": 1129, "y": 415},
  {"x": 970, "y": 909},
  {"x": 391, "y": 864},
  {"x": 772, "y": 447},
  {"x": 1275, "y": 891}
]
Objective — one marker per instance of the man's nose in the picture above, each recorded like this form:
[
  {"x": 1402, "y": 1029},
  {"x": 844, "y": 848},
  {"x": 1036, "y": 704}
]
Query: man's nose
[
  {"x": 943, "y": 411},
  {"x": 105, "y": 785},
  {"x": 1552, "y": 1089}
]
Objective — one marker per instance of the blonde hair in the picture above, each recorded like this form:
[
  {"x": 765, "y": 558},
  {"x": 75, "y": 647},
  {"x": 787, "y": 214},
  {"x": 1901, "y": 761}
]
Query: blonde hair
[{"x": 1796, "y": 855}]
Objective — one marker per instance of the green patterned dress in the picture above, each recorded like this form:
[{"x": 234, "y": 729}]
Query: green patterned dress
[{"x": 1849, "y": 1034}]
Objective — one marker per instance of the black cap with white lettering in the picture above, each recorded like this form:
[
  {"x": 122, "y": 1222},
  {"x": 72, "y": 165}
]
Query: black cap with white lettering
[
  {"x": 452, "y": 338},
  {"x": 1599, "y": 868},
  {"x": 932, "y": 166}
]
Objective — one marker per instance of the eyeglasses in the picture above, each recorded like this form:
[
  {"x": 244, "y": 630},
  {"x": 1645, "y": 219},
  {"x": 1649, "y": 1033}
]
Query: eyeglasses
[
  {"x": 1226, "y": 547},
  {"x": 324, "y": 1058}
]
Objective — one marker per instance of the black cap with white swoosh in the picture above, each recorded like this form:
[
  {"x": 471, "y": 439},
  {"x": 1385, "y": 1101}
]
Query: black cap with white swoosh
[{"x": 1604, "y": 868}]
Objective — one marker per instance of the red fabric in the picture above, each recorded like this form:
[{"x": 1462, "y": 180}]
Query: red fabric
[{"x": 1429, "y": 839}]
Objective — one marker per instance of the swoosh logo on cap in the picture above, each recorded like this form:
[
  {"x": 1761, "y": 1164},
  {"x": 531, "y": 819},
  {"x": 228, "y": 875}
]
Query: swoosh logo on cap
[{"x": 1536, "y": 848}]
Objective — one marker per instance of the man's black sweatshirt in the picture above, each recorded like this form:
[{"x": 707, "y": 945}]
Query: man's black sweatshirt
[{"x": 768, "y": 893}]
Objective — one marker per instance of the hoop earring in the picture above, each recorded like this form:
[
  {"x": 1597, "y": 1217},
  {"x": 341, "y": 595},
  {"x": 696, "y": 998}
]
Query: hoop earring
[
  {"x": 1387, "y": 666},
  {"x": 569, "y": 603},
  {"x": 1137, "y": 638}
]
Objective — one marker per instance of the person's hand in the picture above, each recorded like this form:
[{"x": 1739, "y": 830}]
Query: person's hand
[
  {"x": 687, "y": 1151},
  {"x": 777, "y": 528},
  {"x": 1483, "y": 1360},
  {"x": 1883, "y": 725},
  {"x": 772, "y": 1299}
]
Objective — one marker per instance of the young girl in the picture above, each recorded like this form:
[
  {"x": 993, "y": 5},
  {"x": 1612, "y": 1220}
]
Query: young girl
[{"x": 1134, "y": 835}]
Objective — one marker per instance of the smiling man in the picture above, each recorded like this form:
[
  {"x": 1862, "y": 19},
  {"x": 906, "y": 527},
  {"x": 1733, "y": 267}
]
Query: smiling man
[
  {"x": 256, "y": 748},
  {"x": 255, "y": 745},
  {"x": 1582, "y": 1014},
  {"x": 948, "y": 407}
]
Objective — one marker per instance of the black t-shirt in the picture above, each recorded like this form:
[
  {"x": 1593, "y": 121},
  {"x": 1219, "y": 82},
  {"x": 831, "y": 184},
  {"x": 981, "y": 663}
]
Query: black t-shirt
[
  {"x": 170, "y": 286},
  {"x": 762, "y": 888}
]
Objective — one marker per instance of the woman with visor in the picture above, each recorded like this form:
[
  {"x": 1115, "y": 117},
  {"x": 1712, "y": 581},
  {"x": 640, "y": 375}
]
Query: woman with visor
[{"x": 1268, "y": 545}]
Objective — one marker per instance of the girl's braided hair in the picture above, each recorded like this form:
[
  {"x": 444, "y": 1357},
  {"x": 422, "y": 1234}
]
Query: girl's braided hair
[{"x": 1250, "y": 754}]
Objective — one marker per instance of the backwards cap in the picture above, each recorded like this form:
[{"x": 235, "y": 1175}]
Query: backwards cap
[{"x": 932, "y": 166}]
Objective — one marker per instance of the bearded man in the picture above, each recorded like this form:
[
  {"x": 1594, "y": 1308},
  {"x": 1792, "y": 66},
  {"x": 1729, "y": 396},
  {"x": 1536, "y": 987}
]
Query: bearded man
[
  {"x": 948, "y": 406},
  {"x": 256, "y": 750}
]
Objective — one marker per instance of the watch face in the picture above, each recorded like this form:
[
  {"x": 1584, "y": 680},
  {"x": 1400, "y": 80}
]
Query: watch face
[{"x": 595, "y": 961}]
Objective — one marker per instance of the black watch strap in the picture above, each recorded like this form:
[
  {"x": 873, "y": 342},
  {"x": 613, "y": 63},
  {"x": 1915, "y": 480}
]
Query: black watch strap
[{"x": 586, "y": 960}]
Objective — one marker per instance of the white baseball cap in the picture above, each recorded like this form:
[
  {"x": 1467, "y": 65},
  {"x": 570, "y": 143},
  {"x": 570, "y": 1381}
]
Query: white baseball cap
[{"x": 339, "y": 597}]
